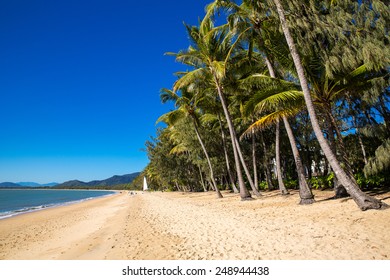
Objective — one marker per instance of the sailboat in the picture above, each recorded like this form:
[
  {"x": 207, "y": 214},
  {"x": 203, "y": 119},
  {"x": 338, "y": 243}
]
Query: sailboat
[{"x": 145, "y": 188}]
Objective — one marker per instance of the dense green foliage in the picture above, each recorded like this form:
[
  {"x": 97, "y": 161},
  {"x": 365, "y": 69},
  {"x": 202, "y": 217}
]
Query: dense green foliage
[{"x": 344, "y": 47}]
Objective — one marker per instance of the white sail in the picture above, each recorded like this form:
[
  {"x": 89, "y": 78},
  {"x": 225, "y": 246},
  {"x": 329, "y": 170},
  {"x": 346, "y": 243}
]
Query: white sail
[{"x": 145, "y": 185}]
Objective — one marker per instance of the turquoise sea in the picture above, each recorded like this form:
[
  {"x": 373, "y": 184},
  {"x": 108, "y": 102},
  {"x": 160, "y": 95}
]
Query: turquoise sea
[{"x": 14, "y": 202}]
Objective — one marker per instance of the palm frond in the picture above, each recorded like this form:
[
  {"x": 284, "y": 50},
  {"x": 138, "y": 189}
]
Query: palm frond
[
  {"x": 168, "y": 95},
  {"x": 262, "y": 81},
  {"x": 188, "y": 78},
  {"x": 274, "y": 99},
  {"x": 207, "y": 22},
  {"x": 270, "y": 120},
  {"x": 358, "y": 71},
  {"x": 179, "y": 149},
  {"x": 209, "y": 118},
  {"x": 189, "y": 58},
  {"x": 290, "y": 99},
  {"x": 227, "y": 6},
  {"x": 218, "y": 68},
  {"x": 171, "y": 118},
  {"x": 238, "y": 41}
]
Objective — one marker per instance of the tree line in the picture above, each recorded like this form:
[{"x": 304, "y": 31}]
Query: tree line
[{"x": 279, "y": 95}]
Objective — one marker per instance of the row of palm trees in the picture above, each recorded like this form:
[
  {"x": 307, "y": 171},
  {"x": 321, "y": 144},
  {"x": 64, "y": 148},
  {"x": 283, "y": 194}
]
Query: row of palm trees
[{"x": 271, "y": 63}]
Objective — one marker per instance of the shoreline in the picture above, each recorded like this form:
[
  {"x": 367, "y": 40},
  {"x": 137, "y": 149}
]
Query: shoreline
[
  {"x": 31, "y": 209},
  {"x": 197, "y": 226},
  {"x": 37, "y": 235}
]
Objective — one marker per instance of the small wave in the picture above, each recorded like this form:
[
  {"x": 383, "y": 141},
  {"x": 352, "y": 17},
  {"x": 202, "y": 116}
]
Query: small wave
[{"x": 9, "y": 214}]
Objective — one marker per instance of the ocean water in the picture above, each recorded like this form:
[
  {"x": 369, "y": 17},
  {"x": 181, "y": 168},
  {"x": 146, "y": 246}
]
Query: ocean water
[{"x": 15, "y": 202}]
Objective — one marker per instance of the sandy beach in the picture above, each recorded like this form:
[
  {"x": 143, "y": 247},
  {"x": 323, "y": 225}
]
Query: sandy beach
[{"x": 196, "y": 226}]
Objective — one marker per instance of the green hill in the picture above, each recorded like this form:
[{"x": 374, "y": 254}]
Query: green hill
[{"x": 114, "y": 181}]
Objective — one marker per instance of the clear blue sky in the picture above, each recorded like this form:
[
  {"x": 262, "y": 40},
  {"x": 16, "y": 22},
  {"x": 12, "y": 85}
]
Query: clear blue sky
[{"x": 80, "y": 81}]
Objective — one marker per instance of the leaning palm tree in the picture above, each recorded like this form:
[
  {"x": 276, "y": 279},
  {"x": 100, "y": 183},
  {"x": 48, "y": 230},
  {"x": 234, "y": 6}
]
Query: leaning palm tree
[
  {"x": 209, "y": 56},
  {"x": 186, "y": 107},
  {"x": 338, "y": 40},
  {"x": 282, "y": 100},
  {"x": 257, "y": 29},
  {"x": 363, "y": 201},
  {"x": 213, "y": 117}
]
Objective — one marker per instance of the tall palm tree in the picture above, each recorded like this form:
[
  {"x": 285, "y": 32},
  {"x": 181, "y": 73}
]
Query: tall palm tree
[
  {"x": 327, "y": 91},
  {"x": 335, "y": 38},
  {"x": 363, "y": 201},
  {"x": 282, "y": 187},
  {"x": 282, "y": 100},
  {"x": 253, "y": 25},
  {"x": 209, "y": 55},
  {"x": 186, "y": 107},
  {"x": 213, "y": 117},
  {"x": 267, "y": 169}
]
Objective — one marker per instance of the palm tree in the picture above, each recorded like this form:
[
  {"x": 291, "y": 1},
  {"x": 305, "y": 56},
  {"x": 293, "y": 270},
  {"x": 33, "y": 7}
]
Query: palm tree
[
  {"x": 267, "y": 169},
  {"x": 213, "y": 116},
  {"x": 327, "y": 91},
  {"x": 305, "y": 193},
  {"x": 186, "y": 107},
  {"x": 254, "y": 26},
  {"x": 282, "y": 187},
  {"x": 363, "y": 201},
  {"x": 225, "y": 151},
  {"x": 209, "y": 55},
  {"x": 283, "y": 100},
  {"x": 343, "y": 48}
]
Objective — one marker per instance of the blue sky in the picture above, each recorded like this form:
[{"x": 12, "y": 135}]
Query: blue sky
[{"x": 80, "y": 81}]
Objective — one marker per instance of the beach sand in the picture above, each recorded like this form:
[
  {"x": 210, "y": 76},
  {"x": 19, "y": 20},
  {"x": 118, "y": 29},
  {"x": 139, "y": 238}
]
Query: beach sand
[{"x": 195, "y": 226}]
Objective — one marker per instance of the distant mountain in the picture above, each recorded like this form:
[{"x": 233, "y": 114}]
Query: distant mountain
[
  {"x": 33, "y": 184},
  {"x": 25, "y": 185},
  {"x": 28, "y": 184},
  {"x": 115, "y": 180},
  {"x": 72, "y": 183},
  {"x": 112, "y": 181},
  {"x": 9, "y": 185},
  {"x": 49, "y": 184}
]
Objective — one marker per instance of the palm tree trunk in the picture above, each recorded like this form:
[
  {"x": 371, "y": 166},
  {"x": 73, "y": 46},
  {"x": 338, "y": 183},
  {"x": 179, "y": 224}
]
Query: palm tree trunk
[
  {"x": 244, "y": 193},
  {"x": 270, "y": 67},
  {"x": 306, "y": 196},
  {"x": 355, "y": 124},
  {"x": 341, "y": 146},
  {"x": 212, "y": 186},
  {"x": 268, "y": 176},
  {"x": 219, "y": 195},
  {"x": 282, "y": 187},
  {"x": 201, "y": 180},
  {"x": 255, "y": 176},
  {"x": 363, "y": 201},
  {"x": 304, "y": 191},
  {"x": 362, "y": 147},
  {"x": 229, "y": 171},
  {"x": 179, "y": 188},
  {"x": 308, "y": 159},
  {"x": 338, "y": 188},
  {"x": 247, "y": 173}
]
